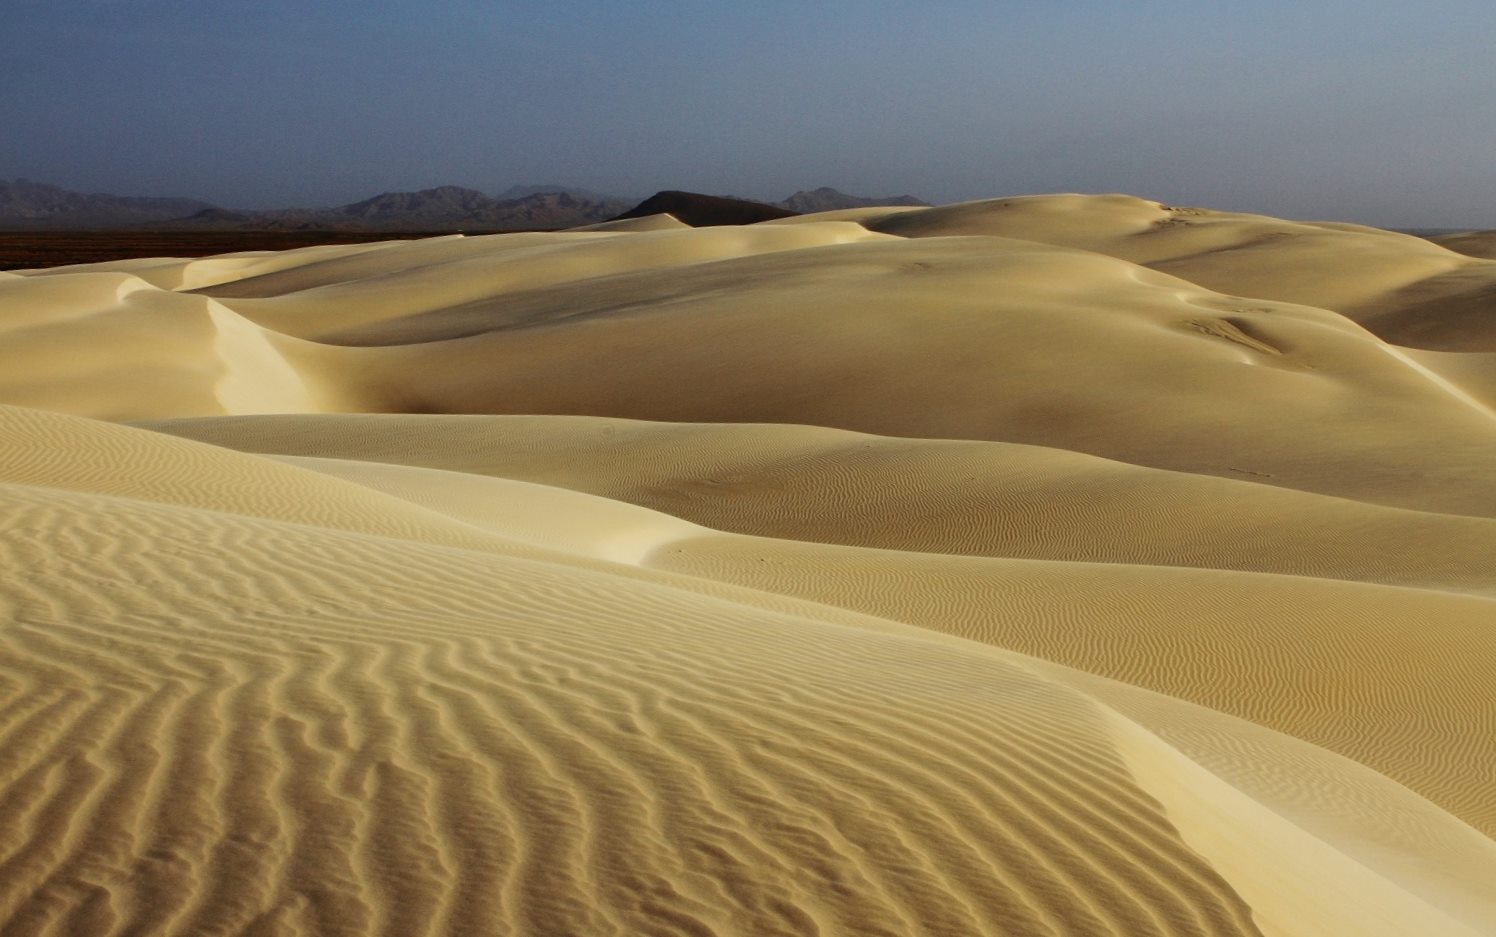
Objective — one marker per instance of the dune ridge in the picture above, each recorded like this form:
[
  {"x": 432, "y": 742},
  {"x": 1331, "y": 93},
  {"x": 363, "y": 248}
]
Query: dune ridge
[
  {"x": 1057, "y": 565},
  {"x": 671, "y": 325}
]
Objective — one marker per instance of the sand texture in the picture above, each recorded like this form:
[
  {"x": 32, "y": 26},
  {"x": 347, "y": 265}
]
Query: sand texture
[{"x": 1057, "y": 565}]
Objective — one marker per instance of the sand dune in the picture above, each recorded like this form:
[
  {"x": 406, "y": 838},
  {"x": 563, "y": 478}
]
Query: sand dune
[
  {"x": 1405, "y": 289},
  {"x": 533, "y": 712},
  {"x": 929, "y": 496},
  {"x": 1056, "y": 565},
  {"x": 1052, "y": 554},
  {"x": 1474, "y": 243},
  {"x": 808, "y": 323},
  {"x": 661, "y": 222}
]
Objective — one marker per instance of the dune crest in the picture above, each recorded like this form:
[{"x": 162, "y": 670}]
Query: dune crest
[{"x": 820, "y": 322}]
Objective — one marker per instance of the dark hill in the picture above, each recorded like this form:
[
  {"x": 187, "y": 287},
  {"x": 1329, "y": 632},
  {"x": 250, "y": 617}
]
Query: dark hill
[
  {"x": 214, "y": 218},
  {"x": 704, "y": 211}
]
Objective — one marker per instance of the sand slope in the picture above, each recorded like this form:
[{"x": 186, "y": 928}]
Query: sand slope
[
  {"x": 1136, "y": 574},
  {"x": 470, "y": 743},
  {"x": 934, "y": 496},
  {"x": 1064, "y": 565},
  {"x": 1406, "y": 289},
  {"x": 821, "y": 322}
]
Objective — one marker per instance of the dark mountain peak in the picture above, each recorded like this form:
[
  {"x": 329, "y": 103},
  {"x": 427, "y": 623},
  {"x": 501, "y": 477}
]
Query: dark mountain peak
[
  {"x": 702, "y": 211},
  {"x": 828, "y": 199},
  {"x": 453, "y": 207},
  {"x": 423, "y": 202}
]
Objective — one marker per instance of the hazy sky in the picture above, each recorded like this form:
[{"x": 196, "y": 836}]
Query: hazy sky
[{"x": 1382, "y": 112}]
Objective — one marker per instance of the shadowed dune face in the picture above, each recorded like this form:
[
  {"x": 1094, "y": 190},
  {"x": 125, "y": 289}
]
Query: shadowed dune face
[
  {"x": 1069, "y": 565},
  {"x": 1480, "y": 244}
]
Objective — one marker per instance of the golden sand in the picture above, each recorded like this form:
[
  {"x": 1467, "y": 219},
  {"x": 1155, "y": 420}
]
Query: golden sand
[{"x": 1055, "y": 565}]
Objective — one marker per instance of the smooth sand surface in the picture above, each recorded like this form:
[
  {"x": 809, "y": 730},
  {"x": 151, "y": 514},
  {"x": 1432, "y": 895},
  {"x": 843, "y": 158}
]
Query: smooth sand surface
[
  {"x": 1404, "y": 288},
  {"x": 1054, "y": 565}
]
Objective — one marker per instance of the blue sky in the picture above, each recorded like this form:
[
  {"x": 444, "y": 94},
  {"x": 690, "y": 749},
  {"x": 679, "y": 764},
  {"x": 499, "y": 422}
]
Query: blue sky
[{"x": 1368, "y": 111}]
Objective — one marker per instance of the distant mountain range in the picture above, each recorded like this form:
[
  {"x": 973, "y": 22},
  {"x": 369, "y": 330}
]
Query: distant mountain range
[
  {"x": 828, "y": 199},
  {"x": 26, "y": 205},
  {"x": 456, "y": 208},
  {"x": 525, "y": 191}
]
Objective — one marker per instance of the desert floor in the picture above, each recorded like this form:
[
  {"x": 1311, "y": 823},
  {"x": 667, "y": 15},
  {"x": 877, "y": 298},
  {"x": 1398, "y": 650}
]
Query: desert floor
[{"x": 1055, "y": 565}]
